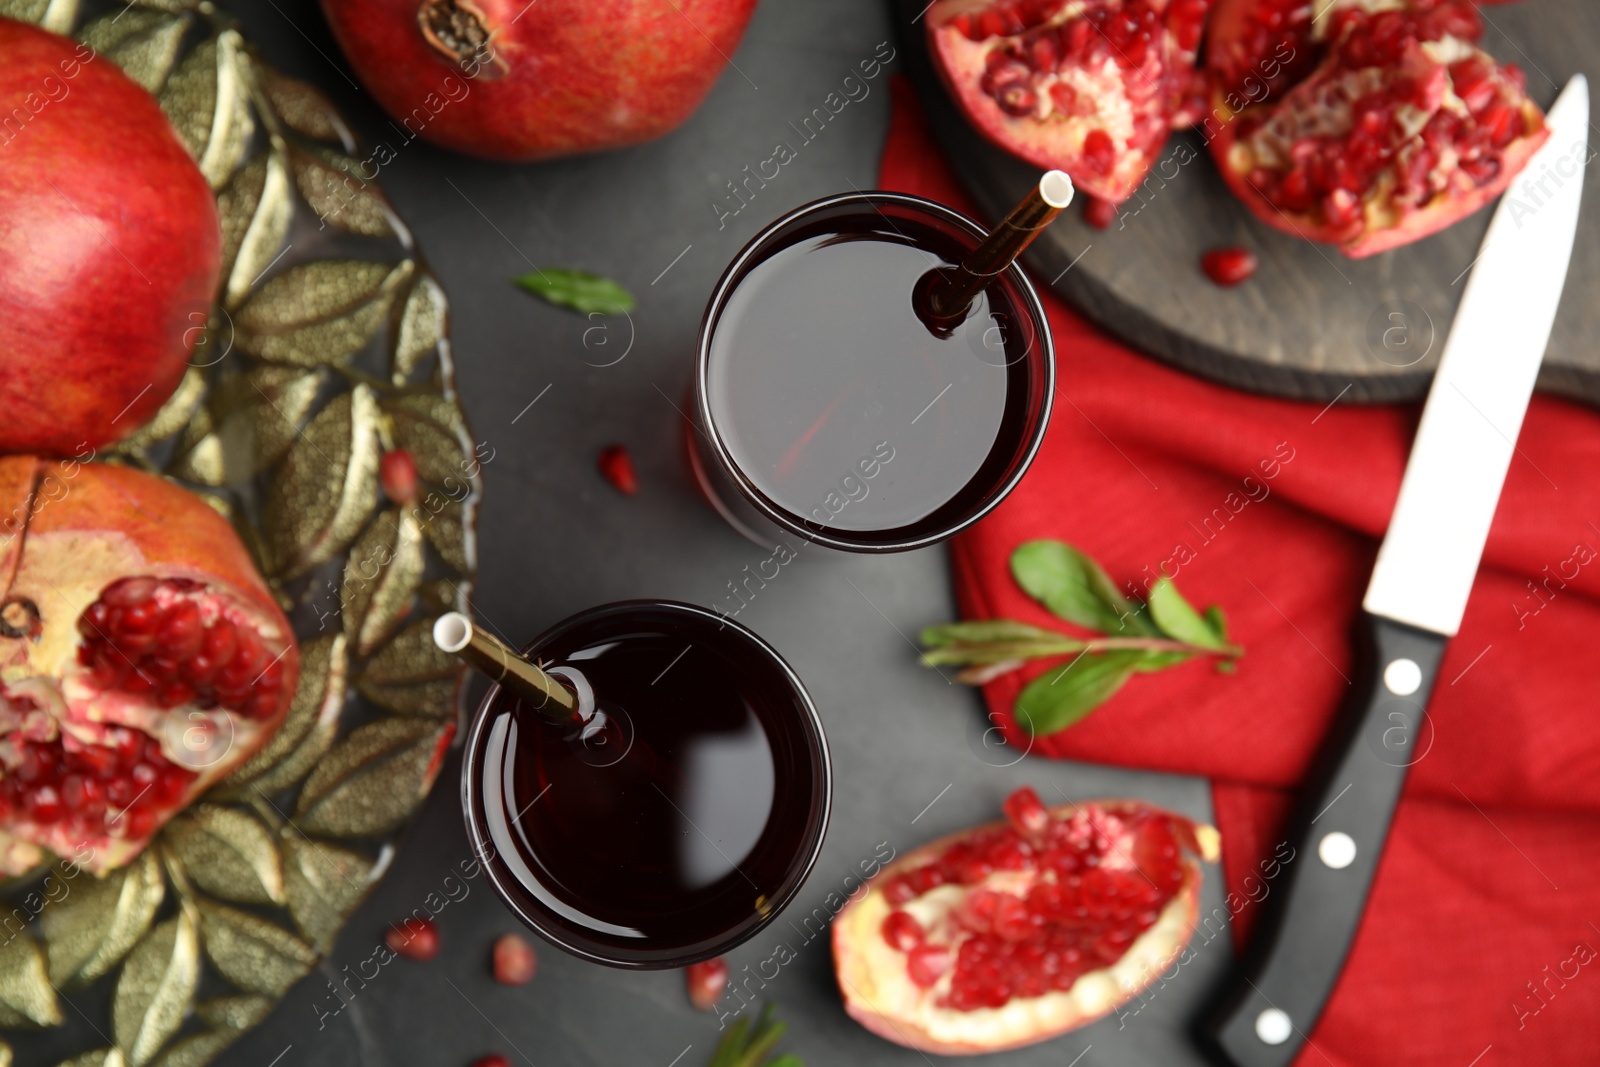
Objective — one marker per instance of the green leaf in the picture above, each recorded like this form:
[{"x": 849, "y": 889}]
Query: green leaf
[
  {"x": 1160, "y": 661},
  {"x": 736, "y": 1051},
  {"x": 1178, "y": 619},
  {"x": 984, "y": 631},
  {"x": 1061, "y": 697},
  {"x": 1217, "y": 621},
  {"x": 578, "y": 290},
  {"x": 1074, "y": 587}
]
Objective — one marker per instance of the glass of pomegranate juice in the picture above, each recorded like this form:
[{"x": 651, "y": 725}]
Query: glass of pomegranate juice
[
  {"x": 660, "y": 796},
  {"x": 829, "y": 407}
]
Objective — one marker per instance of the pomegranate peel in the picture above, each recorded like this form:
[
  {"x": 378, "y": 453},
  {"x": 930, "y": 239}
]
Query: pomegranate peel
[
  {"x": 914, "y": 998},
  {"x": 151, "y": 659}
]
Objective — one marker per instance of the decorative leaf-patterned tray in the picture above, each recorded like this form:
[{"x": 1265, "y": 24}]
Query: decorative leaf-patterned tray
[{"x": 325, "y": 348}]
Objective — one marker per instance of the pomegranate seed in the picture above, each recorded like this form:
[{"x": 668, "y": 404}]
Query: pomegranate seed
[
  {"x": 1011, "y": 920},
  {"x": 706, "y": 982},
  {"x": 415, "y": 939},
  {"x": 514, "y": 960},
  {"x": 137, "y": 823},
  {"x": 397, "y": 473},
  {"x": 616, "y": 466},
  {"x": 221, "y": 641},
  {"x": 494, "y": 1059},
  {"x": 1229, "y": 266},
  {"x": 119, "y": 793},
  {"x": 898, "y": 890},
  {"x": 181, "y": 632},
  {"x": 127, "y": 591},
  {"x": 1099, "y": 213},
  {"x": 927, "y": 963},
  {"x": 43, "y": 804},
  {"x": 1026, "y": 813},
  {"x": 902, "y": 931},
  {"x": 1099, "y": 152}
]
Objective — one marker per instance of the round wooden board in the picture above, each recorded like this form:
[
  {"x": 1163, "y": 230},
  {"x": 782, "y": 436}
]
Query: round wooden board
[{"x": 1311, "y": 324}]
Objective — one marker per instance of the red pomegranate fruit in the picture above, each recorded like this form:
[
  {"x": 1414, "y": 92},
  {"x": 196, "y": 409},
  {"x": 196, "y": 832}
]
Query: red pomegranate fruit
[
  {"x": 509, "y": 79},
  {"x": 141, "y": 658},
  {"x": 109, "y": 248},
  {"x": 1016, "y": 932},
  {"x": 1372, "y": 125},
  {"x": 1091, "y": 87}
]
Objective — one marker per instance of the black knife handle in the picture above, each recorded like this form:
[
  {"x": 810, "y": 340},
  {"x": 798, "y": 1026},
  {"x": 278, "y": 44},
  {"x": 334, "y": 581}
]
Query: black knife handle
[{"x": 1314, "y": 907}]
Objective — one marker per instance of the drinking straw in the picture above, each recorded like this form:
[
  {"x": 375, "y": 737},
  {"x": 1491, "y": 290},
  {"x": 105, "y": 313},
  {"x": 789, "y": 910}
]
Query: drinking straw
[
  {"x": 949, "y": 292},
  {"x": 456, "y": 634}
]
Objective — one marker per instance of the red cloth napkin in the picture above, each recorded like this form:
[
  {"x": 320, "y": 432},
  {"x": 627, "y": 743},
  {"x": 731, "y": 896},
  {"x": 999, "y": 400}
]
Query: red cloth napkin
[{"x": 1481, "y": 935}]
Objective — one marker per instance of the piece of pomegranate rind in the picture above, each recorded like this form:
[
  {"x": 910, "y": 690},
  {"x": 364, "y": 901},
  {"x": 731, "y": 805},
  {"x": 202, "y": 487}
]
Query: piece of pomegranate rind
[
  {"x": 142, "y": 657},
  {"x": 1390, "y": 125},
  {"x": 1092, "y": 88},
  {"x": 883, "y": 992}
]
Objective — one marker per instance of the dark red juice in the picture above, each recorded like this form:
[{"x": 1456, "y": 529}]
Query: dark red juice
[
  {"x": 839, "y": 409},
  {"x": 677, "y": 821}
]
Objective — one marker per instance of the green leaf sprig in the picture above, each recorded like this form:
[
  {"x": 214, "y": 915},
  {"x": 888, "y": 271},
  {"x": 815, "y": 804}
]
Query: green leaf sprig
[
  {"x": 578, "y": 290},
  {"x": 743, "y": 1047},
  {"x": 1141, "y": 636}
]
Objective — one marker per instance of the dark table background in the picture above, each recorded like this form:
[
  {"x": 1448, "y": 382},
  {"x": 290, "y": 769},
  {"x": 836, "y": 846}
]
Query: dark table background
[{"x": 555, "y": 538}]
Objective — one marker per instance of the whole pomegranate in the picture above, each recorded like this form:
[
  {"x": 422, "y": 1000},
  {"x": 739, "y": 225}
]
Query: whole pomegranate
[
  {"x": 109, "y": 248},
  {"x": 141, "y": 658},
  {"x": 1092, "y": 87},
  {"x": 509, "y": 79},
  {"x": 1366, "y": 123},
  {"x": 1015, "y": 932}
]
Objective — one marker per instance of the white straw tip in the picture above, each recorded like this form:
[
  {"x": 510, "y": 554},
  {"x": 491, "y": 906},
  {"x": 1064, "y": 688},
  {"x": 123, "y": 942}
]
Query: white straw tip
[
  {"x": 452, "y": 631},
  {"x": 1056, "y": 188}
]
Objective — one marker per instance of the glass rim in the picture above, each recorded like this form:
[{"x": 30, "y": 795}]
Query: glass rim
[
  {"x": 747, "y": 487},
  {"x": 799, "y": 871}
]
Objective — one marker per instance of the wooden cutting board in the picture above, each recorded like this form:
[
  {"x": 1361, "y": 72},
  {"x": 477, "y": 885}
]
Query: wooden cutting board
[{"x": 1311, "y": 324}]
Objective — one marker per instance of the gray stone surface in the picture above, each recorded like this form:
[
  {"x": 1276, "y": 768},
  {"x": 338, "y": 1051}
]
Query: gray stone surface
[{"x": 908, "y": 750}]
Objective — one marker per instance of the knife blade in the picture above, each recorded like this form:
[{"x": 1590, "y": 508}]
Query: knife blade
[{"x": 1413, "y": 606}]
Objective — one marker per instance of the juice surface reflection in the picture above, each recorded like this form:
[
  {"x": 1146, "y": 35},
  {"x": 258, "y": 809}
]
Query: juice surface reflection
[{"x": 836, "y": 401}]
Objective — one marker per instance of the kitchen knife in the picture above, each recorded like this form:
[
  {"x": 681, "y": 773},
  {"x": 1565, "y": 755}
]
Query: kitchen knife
[{"x": 1414, "y": 603}]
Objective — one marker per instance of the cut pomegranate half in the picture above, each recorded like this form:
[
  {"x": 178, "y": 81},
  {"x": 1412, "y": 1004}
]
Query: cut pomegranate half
[
  {"x": 1016, "y": 932},
  {"x": 1374, "y": 124},
  {"x": 141, "y": 658},
  {"x": 1091, "y": 87}
]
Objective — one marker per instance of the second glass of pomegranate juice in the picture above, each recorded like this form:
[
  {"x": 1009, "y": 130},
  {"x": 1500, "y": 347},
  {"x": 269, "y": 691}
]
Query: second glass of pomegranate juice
[{"x": 679, "y": 808}]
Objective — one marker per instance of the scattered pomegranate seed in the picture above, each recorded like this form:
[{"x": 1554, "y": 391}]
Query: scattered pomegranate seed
[
  {"x": 397, "y": 473},
  {"x": 514, "y": 960},
  {"x": 415, "y": 939},
  {"x": 1099, "y": 213},
  {"x": 1229, "y": 266},
  {"x": 494, "y": 1059},
  {"x": 706, "y": 982},
  {"x": 616, "y": 466}
]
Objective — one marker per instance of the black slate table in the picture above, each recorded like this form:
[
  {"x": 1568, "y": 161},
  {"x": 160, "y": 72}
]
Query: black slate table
[{"x": 908, "y": 749}]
